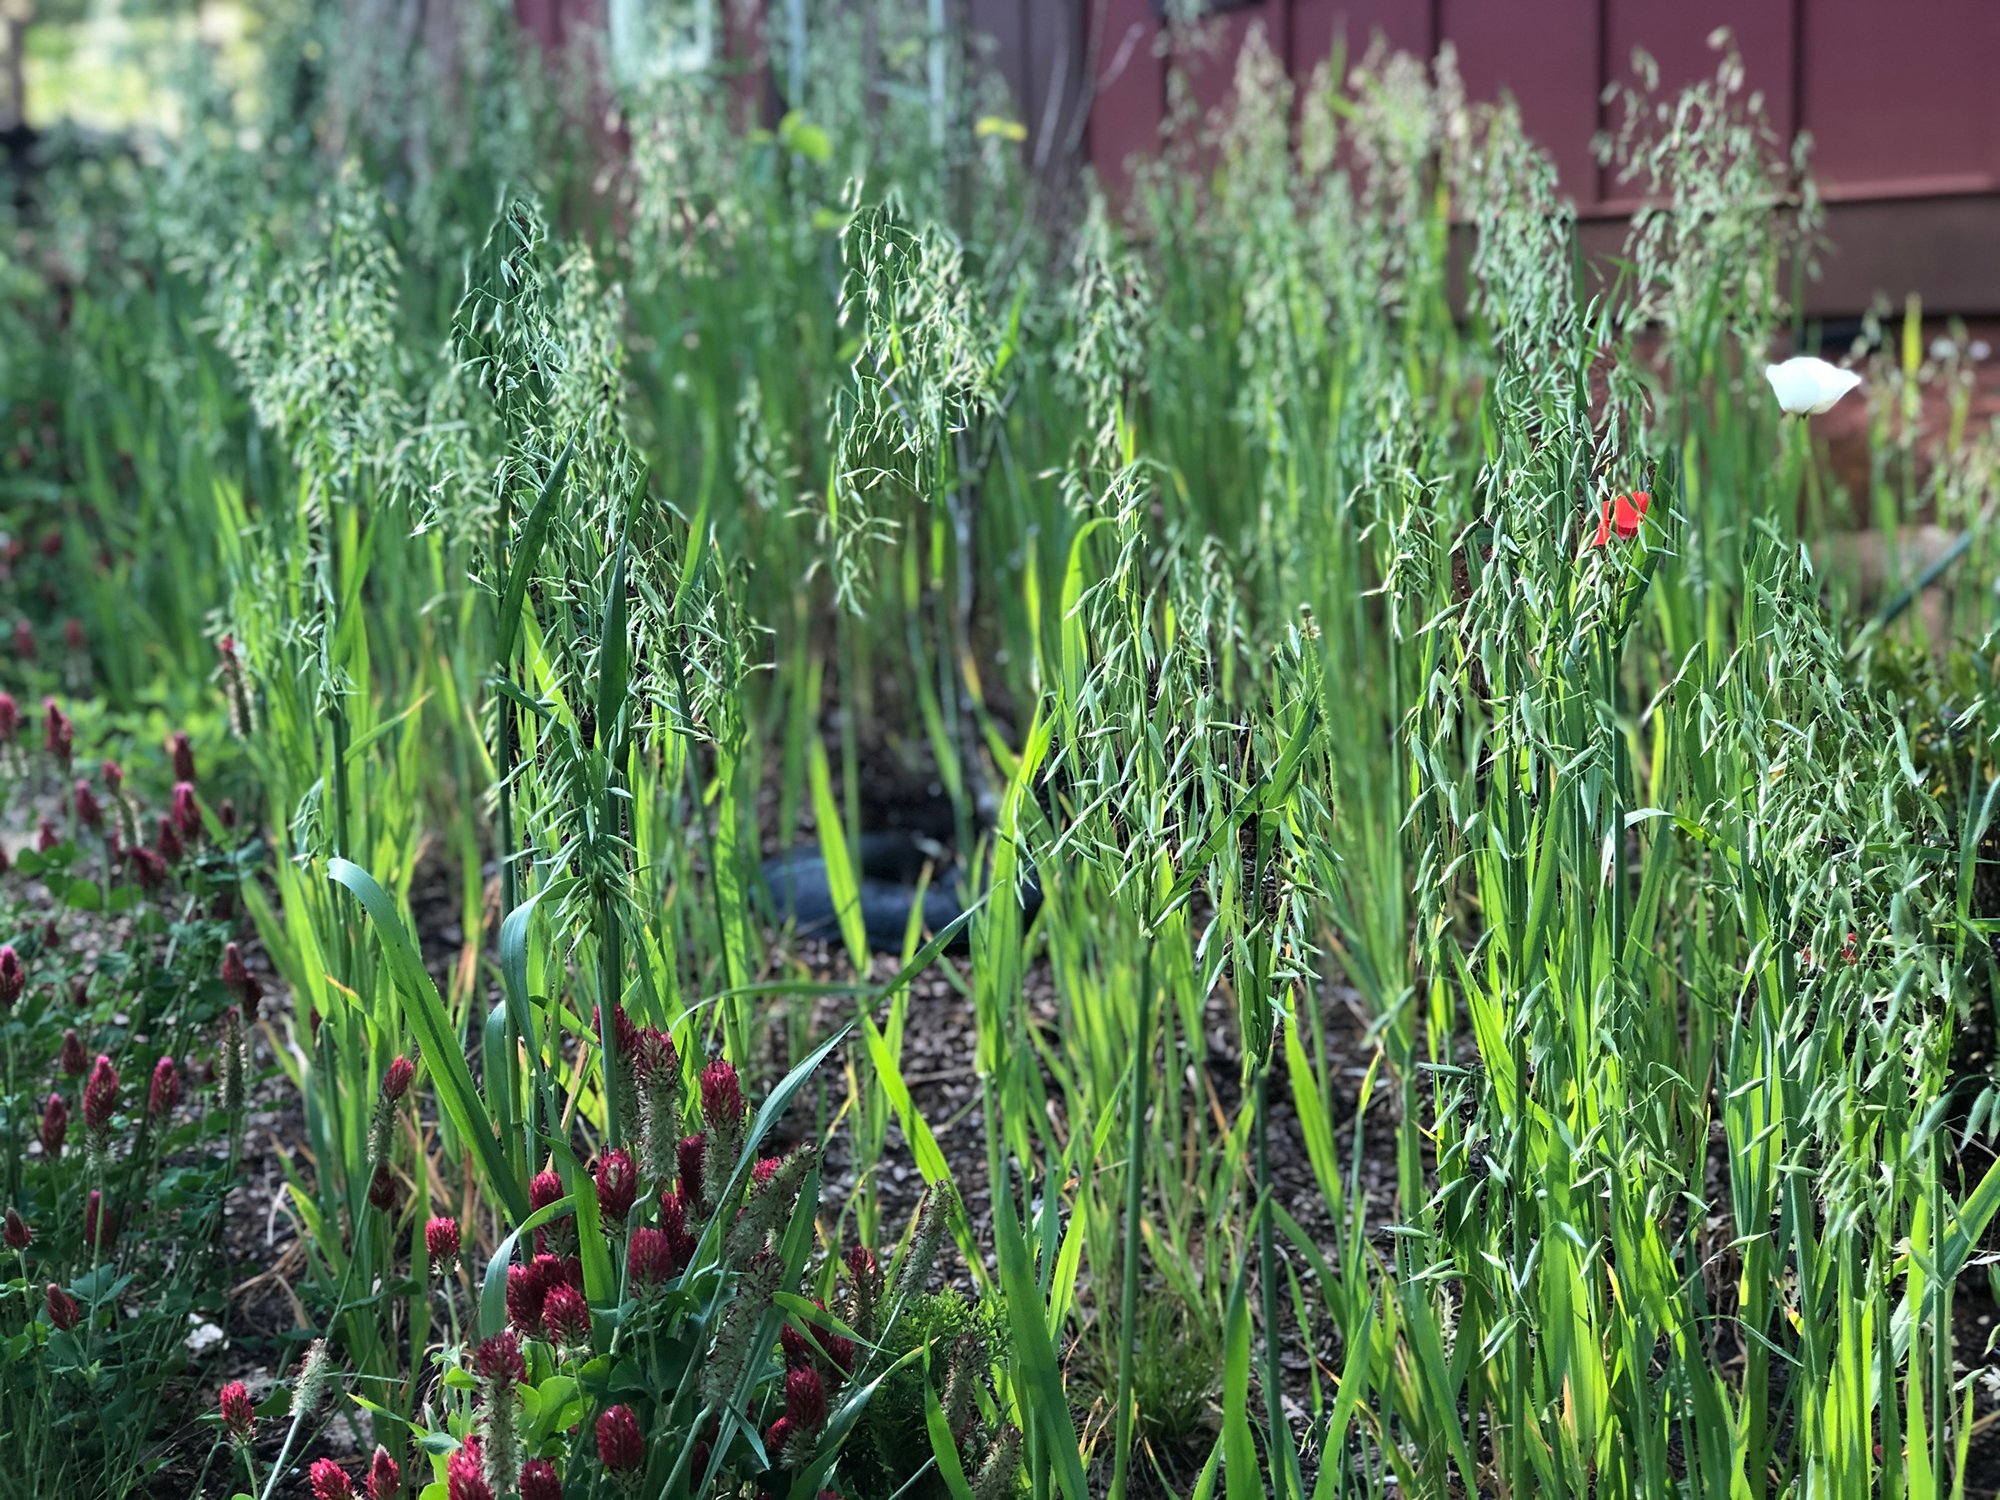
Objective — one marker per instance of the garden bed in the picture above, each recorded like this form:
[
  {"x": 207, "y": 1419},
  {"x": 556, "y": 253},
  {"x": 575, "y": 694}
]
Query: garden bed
[{"x": 1458, "y": 818}]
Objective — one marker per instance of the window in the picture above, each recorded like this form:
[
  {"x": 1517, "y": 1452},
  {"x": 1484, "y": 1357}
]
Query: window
[{"x": 653, "y": 39}]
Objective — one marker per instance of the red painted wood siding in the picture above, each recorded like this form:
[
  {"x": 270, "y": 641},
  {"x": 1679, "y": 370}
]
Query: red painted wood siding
[{"x": 1895, "y": 95}]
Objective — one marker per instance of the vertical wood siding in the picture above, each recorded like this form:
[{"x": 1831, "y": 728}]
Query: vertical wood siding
[{"x": 1895, "y": 94}]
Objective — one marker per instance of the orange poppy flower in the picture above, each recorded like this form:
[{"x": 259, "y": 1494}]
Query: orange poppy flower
[{"x": 1622, "y": 515}]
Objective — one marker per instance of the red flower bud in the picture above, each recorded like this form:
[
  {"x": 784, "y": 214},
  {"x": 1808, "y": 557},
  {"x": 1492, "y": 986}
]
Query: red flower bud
[
  {"x": 165, "y": 1092},
  {"x": 24, "y": 640},
  {"x": 167, "y": 844},
  {"x": 721, "y": 1096},
  {"x": 74, "y": 1059},
  {"x": 73, "y": 636},
  {"x": 465, "y": 1473},
  {"x": 566, "y": 1317},
  {"x": 63, "y": 1311},
  {"x": 654, "y": 1056},
  {"x": 239, "y": 981},
  {"x": 183, "y": 755},
  {"x": 544, "y": 1188},
  {"x": 149, "y": 867},
  {"x": 798, "y": 1349},
  {"x": 619, "y": 1444},
  {"x": 624, "y": 1035},
  {"x": 100, "y": 1225},
  {"x": 649, "y": 1260},
  {"x": 55, "y": 1125},
  {"x": 674, "y": 1223},
  {"x": 567, "y": 1272},
  {"x": 330, "y": 1481},
  {"x": 113, "y": 774},
  {"x": 13, "y": 978},
  {"x": 805, "y": 1399},
  {"x": 839, "y": 1352},
  {"x": 499, "y": 1359},
  {"x": 396, "y": 1081},
  {"x": 777, "y": 1438},
  {"x": 617, "y": 1185},
  {"x": 58, "y": 733},
  {"x": 691, "y": 1151},
  {"x": 89, "y": 811},
  {"x": 441, "y": 1240},
  {"x": 16, "y": 1232},
  {"x": 539, "y": 1480},
  {"x": 385, "y": 1479},
  {"x": 10, "y": 717},
  {"x": 186, "y": 812},
  {"x": 46, "y": 837},
  {"x": 382, "y": 1189},
  {"x": 526, "y": 1292},
  {"x": 100, "y": 1095}
]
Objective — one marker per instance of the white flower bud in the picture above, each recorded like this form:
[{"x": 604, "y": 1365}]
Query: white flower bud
[{"x": 1807, "y": 386}]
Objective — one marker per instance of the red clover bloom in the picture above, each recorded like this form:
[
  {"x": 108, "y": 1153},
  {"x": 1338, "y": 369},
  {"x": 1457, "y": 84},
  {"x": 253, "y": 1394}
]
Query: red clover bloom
[
  {"x": 539, "y": 1480},
  {"x": 238, "y": 1414},
  {"x": 617, "y": 1185},
  {"x": 183, "y": 756},
  {"x": 186, "y": 814},
  {"x": 58, "y": 733},
  {"x": 566, "y": 1317},
  {"x": 100, "y": 1096},
  {"x": 465, "y": 1473},
  {"x": 385, "y": 1479},
  {"x": 55, "y": 1125},
  {"x": 441, "y": 1240},
  {"x": 63, "y": 1311},
  {"x": 330, "y": 1481},
  {"x": 619, "y": 1444},
  {"x": 165, "y": 1092}
]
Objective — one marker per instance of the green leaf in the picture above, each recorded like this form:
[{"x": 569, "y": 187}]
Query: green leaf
[
  {"x": 1036, "y": 1373},
  {"x": 799, "y": 134},
  {"x": 841, "y": 885},
  {"x": 1968, "y": 1224},
  {"x": 526, "y": 549},
  {"x": 614, "y": 660},
  {"x": 943, "y": 1447},
  {"x": 1239, "y": 1446},
  {"x": 423, "y": 1009},
  {"x": 774, "y": 1106}
]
